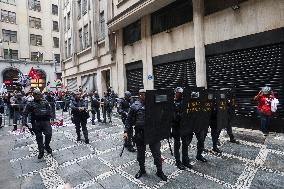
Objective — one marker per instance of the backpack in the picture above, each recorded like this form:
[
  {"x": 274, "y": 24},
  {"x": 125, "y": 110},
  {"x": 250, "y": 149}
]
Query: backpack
[{"x": 41, "y": 109}]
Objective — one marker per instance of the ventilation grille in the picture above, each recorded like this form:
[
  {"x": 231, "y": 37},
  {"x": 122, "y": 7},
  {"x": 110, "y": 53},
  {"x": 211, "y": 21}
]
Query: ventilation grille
[
  {"x": 249, "y": 70},
  {"x": 175, "y": 74},
  {"x": 134, "y": 80}
]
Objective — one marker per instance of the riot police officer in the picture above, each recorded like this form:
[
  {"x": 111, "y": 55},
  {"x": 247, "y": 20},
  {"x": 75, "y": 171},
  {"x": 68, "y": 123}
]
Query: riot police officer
[
  {"x": 17, "y": 103},
  {"x": 40, "y": 111},
  {"x": 136, "y": 116},
  {"x": 123, "y": 109},
  {"x": 231, "y": 103},
  {"x": 176, "y": 133},
  {"x": 79, "y": 111},
  {"x": 95, "y": 105},
  {"x": 107, "y": 102},
  {"x": 215, "y": 128}
]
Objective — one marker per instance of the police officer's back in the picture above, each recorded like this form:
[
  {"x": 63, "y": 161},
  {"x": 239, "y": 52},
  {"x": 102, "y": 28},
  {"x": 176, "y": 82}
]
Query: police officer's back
[{"x": 40, "y": 111}]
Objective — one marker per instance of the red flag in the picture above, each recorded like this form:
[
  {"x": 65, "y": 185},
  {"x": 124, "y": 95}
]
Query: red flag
[{"x": 33, "y": 74}]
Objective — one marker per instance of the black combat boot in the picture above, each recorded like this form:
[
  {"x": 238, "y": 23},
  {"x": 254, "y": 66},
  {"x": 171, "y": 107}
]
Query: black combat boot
[
  {"x": 161, "y": 175},
  {"x": 48, "y": 149},
  {"x": 93, "y": 122},
  {"x": 40, "y": 155},
  {"x": 187, "y": 165},
  {"x": 141, "y": 172},
  {"x": 15, "y": 127},
  {"x": 217, "y": 150},
  {"x": 199, "y": 157},
  {"x": 180, "y": 165}
]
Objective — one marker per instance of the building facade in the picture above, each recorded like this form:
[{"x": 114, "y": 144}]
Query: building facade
[
  {"x": 205, "y": 43},
  {"x": 29, "y": 37},
  {"x": 157, "y": 44},
  {"x": 86, "y": 46}
]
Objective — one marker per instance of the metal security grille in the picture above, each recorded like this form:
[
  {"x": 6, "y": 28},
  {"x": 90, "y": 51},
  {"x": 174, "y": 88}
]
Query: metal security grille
[
  {"x": 134, "y": 80},
  {"x": 249, "y": 70},
  {"x": 174, "y": 74},
  {"x": 89, "y": 82},
  {"x": 72, "y": 84}
]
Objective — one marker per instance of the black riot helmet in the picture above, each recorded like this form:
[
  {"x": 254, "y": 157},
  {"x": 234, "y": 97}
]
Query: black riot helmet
[{"x": 127, "y": 94}]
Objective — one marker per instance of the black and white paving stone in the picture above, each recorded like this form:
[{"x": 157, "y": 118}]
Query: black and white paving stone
[{"x": 257, "y": 162}]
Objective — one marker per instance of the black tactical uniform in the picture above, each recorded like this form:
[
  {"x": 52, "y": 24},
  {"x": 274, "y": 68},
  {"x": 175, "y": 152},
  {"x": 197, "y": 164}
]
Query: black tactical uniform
[
  {"x": 95, "y": 105},
  {"x": 17, "y": 103},
  {"x": 216, "y": 129},
  {"x": 136, "y": 116},
  {"x": 123, "y": 109},
  {"x": 40, "y": 111},
  {"x": 80, "y": 115},
  {"x": 107, "y": 106},
  {"x": 176, "y": 133}
]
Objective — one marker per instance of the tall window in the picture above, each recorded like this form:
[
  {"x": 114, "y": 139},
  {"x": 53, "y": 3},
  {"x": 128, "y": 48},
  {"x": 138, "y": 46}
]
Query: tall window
[
  {"x": 9, "y": 36},
  {"x": 86, "y": 36},
  {"x": 55, "y": 26},
  {"x": 12, "y": 2},
  {"x": 102, "y": 25},
  {"x": 68, "y": 21},
  {"x": 35, "y": 22},
  {"x": 64, "y": 22},
  {"x": 57, "y": 58},
  {"x": 69, "y": 47},
  {"x": 84, "y": 6},
  {"x": 81, "y": 39},
  {"x": 8, "y": 16},
  {"x": 79, "y": 8},
  {"x": 173, "y": 15},
  {"x": 54, "y": 9},
  {"x": 10, "y": 54},
  {"x": 36, "y": 40},
  {"x": 36, "y": 56},
  {"x": 55, "y": 42},
  {"x": 34, "y": 5},
  {"x": 132, "y": 33}
]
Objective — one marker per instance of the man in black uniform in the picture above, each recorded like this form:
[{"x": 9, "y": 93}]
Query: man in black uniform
[
  {"x": 80, "y": 115},
  {"x": 40, "y": 111},
  {"x": 215, "y": 129},
  {"x": 107, "y": 102},
  {"x": 176, "y": 133},
  {"x": 95, "y": 105},
  {"x": 17, "y": 103},
  {"x": 123, "y": 109},
  {"x": 136, "y": 116}
]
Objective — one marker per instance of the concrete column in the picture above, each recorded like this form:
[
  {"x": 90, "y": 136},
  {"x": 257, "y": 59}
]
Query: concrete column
[
  {"x": 147, "y": 52},
  {"x": 95, "y": 25},
  {"x": 121, "y": 73},
  {"x": 198, "y": 22}
]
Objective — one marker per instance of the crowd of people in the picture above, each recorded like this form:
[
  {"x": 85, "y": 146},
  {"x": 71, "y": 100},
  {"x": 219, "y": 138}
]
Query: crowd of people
[{"x": 39, "y": 109}]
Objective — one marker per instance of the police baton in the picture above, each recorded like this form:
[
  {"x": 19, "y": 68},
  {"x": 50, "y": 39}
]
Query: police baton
[
  {"x": 170, "y": 146},
  {"x": 122, "y": 151}
]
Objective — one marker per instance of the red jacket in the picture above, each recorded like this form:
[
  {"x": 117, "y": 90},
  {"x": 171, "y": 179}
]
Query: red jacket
[{"x": 264, "y": 104}]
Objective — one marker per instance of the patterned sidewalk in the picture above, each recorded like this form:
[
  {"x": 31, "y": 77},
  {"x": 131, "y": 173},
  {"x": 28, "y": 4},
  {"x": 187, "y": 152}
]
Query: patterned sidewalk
[{"x": 257, "y": 162}]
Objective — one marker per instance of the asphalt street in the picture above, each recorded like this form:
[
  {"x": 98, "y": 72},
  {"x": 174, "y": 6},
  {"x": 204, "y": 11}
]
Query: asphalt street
[{"x": 257, "y": 162}]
